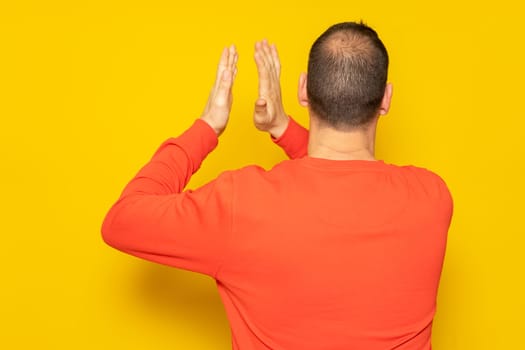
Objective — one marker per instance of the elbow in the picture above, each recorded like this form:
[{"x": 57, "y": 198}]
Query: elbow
[
  {"x": 111, "y": 234},
  {"x": 120, "y": 228}
]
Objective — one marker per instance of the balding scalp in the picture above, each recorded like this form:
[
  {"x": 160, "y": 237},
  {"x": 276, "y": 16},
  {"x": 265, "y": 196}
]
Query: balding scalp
[{"x": 347, "y": 73}]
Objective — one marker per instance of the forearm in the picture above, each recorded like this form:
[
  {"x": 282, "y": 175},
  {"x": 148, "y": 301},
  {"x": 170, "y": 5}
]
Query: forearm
[
  {"x": 175, "y": 161},
  {"x": 294, "y": 140}
]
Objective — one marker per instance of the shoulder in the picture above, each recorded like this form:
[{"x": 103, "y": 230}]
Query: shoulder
[
  {"x": 426, "y": 180},
  {"x": 423, "y": 174}
]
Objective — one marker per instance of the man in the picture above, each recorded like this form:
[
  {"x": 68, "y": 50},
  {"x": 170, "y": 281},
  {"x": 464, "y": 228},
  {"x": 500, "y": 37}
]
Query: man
[{"x": 330, "y": 250}]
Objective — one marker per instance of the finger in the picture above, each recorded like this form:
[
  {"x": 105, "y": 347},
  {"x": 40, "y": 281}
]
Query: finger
[
  {"x": 235, "y": 59},
  {"x": 224, "y": 88},
  {"x": 276, "y": 60},
  {"x": 264, "y": 78},
  {"x": 233, "y": 67},
  {"x": 267, "y": 54},
  {"x": 274, "y": 68},
  {"x": 262, "y": 54},
  {"x": 268, "y": 60},
  {"x": 226, "y": 62},
  {"x": 231, "y": 57},
  {"x": 259, "y": 60},
  {"x": 258, "y": 55},
  {"x": 223, "y": 62}
]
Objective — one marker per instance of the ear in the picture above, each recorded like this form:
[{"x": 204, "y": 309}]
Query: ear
[
  {"x": 387, "y": 98},
  {"x": 302, "y": 95}
]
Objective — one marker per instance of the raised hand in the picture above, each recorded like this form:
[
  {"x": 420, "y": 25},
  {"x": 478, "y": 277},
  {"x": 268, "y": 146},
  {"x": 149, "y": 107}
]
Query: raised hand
[
  {"x": 269, "y": 112},
  {"x": 217, "y": 110}
]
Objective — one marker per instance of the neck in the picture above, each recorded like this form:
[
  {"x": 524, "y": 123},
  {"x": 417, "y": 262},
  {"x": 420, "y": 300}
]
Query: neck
[{"x": 329, "y": 143}]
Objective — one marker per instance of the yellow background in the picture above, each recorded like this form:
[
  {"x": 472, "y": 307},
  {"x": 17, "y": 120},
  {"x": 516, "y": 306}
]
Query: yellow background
[{"x": 89, "y": 89}]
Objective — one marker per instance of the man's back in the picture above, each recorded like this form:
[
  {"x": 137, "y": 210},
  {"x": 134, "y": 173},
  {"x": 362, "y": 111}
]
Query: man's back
[
  {"x": 333, "y": 250},
  {"x": 334, "y": 255}
]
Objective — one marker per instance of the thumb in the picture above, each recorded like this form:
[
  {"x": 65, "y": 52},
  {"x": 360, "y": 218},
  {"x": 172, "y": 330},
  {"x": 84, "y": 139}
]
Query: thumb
[{"x": 260, "y": 105}]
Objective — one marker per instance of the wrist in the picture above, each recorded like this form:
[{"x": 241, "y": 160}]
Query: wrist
[
  {"x": 278, "y": 130},
  {"x": 218, "y": 130}
]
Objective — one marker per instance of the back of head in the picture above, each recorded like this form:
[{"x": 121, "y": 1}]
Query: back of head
[{"x": 347, "y": 74}]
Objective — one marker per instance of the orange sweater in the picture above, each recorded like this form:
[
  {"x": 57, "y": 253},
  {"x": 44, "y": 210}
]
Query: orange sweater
[{"x": 313, "y": 254}]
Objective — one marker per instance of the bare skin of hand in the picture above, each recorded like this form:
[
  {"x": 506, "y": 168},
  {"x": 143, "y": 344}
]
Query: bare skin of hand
[
  {"x": 269, "y": 112},
  {"x": 217, "y": 110}
]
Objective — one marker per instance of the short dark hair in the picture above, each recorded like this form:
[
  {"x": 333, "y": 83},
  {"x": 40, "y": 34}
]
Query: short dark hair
[{"x": 347, "y": 75}]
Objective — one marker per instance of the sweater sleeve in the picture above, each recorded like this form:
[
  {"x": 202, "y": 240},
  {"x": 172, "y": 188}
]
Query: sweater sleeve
[
  {"x": 155, "y": 220},
  {"x": 294, "y": 141}
]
